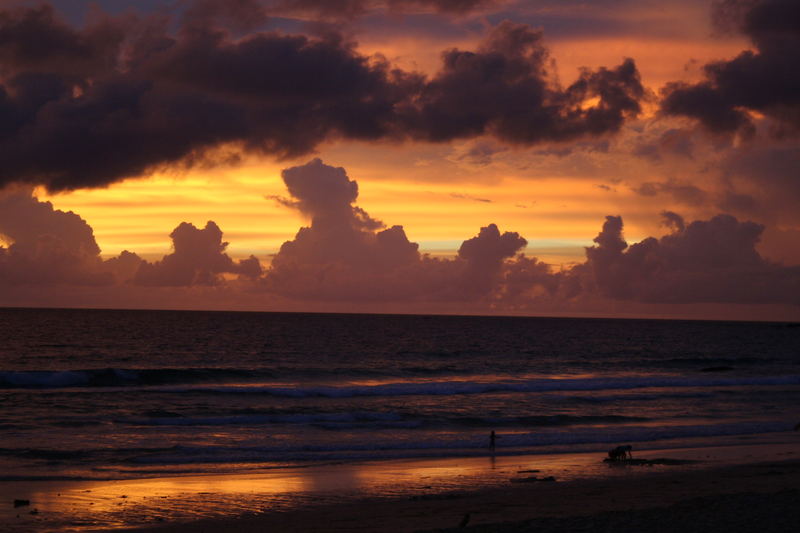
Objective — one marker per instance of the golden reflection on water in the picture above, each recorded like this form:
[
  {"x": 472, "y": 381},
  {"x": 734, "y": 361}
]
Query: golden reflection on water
[{"x": 86, "y": 505}]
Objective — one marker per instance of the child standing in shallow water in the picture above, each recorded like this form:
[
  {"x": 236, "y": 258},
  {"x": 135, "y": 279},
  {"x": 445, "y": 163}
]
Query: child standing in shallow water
[{"x": 492, "y": 438}]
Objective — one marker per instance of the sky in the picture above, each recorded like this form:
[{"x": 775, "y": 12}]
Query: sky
[{"x": 541, "y": 157}]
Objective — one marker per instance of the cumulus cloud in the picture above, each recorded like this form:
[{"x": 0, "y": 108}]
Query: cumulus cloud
[
  {"x": 764, "y": 80},
  {"x": 198, "y": 258},
  {"x": 120, "y": 97},
  {"x": 346, "y": 254},
  {"x": 47, "y": 246},
  {"x": 526, "y": 281},
  {"x": 484, "y": 255},
  {"x": 704, "y": 261}
]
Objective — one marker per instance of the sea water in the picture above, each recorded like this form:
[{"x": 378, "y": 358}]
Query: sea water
[{"x": 102, "y": 394}]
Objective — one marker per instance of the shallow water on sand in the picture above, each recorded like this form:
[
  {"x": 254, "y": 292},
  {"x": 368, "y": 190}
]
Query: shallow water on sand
[{"x": 90, "y": 505}]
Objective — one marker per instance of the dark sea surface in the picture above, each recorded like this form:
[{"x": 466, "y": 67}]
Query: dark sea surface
[{"x": 96, "y": 394}]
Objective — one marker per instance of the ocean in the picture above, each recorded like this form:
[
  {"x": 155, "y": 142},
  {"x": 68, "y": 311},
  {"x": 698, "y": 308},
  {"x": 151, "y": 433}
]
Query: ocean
[{"x": 103, "y": 394}]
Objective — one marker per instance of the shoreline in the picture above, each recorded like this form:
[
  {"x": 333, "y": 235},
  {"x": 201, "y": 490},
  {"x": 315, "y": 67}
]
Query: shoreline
[{"x": 410, "y": 494}]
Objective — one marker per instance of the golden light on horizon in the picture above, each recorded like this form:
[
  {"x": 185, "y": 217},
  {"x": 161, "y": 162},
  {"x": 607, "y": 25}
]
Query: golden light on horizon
[{"x": 557, "y": 216}]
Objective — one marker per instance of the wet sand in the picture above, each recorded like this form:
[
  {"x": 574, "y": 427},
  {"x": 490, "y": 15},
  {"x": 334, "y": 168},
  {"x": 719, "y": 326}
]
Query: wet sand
[
  {"x": 762, "y": 497},
  {"x": 701, "y": 486}
]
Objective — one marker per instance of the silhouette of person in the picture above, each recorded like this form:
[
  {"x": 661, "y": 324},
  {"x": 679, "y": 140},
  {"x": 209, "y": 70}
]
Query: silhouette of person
[{"x": 492, "y": 439}]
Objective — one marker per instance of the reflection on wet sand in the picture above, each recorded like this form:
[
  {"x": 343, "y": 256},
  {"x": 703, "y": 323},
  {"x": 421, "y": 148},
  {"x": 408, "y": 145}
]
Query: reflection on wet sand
[{"x": 82, "y": 505}]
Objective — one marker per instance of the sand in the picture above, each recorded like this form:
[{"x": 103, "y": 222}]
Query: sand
[
  {"x": 762, "y": 497},
  {"x": 752, "y": 487}
]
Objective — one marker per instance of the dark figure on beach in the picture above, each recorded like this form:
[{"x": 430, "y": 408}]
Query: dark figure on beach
[
  {"x": 492, "y": 439},
  {"x": 620, "y": 453}
]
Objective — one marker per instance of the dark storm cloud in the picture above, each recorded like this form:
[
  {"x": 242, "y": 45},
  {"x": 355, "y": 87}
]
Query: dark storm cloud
[
  {"x": 198, "y": 259},
  {"x": 121, "y": 97},
  {"x": 766, "y": 80},
  {"x": 36, "y": 39},
  {"x": 704, "y": 261},
  {"x": 505, "y": 89},
  {"x": 175, "y": 96}
]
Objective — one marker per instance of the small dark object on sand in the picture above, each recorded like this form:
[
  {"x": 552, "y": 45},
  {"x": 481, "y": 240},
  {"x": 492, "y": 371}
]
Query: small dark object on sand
[
  {"x": 532, "y": 479},
  {"x": 35, "y": 511},
  {"x": 21, "y": 503},
  {"x": 464, "y": 521},
  {"x": 620, "y": 453}
]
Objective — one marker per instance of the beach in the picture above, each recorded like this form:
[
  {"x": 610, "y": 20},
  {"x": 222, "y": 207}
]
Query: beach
[
  {"x": 692, "y": 487},
  {"x": 756, "y": 496}
]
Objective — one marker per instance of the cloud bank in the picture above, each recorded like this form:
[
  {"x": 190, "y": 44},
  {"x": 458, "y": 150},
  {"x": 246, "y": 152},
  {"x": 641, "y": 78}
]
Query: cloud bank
[
  {"x": 49, "y": 247},
  {"x": 345, "y": 256},
  {"x": 703, "y": 261}
]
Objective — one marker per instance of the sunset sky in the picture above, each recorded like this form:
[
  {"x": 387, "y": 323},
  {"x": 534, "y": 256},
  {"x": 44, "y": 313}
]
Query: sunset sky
[{"x": 443, "y": 156}]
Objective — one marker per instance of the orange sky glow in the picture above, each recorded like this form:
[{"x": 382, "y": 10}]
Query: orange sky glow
[{"x": 555, "y": 192}]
